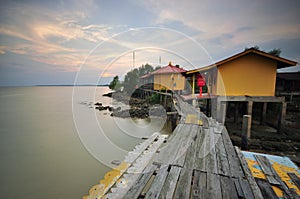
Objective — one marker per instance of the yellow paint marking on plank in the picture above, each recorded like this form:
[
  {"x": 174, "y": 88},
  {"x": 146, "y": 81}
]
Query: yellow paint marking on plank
[
  {"x": 283, "y": 171},
  {"x": 110, "y": 178},
  {"x": 200, "y": 123},
  {"x": 193, "y": 119},
  {"x": 278, "y": 191},
  {"x": 255, "y": 169}
]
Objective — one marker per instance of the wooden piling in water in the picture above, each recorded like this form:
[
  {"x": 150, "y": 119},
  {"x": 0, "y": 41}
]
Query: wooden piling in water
[
  {"x": 282, "y": 115},
  {"x": 264, "y": 113},
  {"x": 246, "y": 132}
]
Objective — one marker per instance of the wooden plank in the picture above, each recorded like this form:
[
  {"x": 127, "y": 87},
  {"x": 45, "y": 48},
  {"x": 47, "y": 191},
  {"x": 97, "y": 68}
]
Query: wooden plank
[
  {"x": 139, "y": 149},
  {"x": 184, "y": 182},
  {"x": 246, "y": 189},
  {"x": 234, "y": 163},
  {"x": 157, "y": 184},
  {"x": 238, "y": 188},
  {"x": 183, "y": 188},
  {"x": 140, "y": 183},
  {"x": 169, "y": 186},
  {"x": 266, "y": 189},
  {"x": 256, "y": 191},
  {"x": 199, "y": 185},
  {"x": 228, "y": 188},
  {"x": 213, "y": 186},
  {"x": 191, "y": 134},
  {"x": 295, "y": 179},
  {"x": 222, "y": 160},
  {"x": 169, "y": 150},
  {"x": 283, "y": 186},
  {"x": 211, "y": 158},
  {"x": 266, "y": 168},
  {"x": 201, "y": 151}
]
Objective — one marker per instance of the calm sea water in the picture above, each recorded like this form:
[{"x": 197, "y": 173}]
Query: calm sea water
[{"x": 50, "y": 146}]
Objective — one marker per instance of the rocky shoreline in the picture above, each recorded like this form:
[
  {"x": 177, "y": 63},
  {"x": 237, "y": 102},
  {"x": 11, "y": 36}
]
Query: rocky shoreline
[{"x": 139, "y": 108}]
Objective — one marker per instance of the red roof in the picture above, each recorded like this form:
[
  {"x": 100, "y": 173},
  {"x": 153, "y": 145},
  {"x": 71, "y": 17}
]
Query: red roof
[{"x": 165, "y": 70}]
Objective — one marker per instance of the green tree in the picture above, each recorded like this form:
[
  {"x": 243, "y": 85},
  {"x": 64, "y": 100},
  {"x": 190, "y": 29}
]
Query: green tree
[
  {"x": 132, "y": 78},
  {"x": 275, "y": 52},
  {"x": 145, "y": 69},
  {"x": 115, "y": 84},
  {"x": 253, "y": 47},
  {"x": 157, "y": 67}
]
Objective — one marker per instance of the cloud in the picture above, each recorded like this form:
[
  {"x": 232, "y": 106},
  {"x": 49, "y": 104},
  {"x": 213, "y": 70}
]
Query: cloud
[
  {"x": 46, "y": 36},
  {"x": 99, "y": 36},
  {"x": 255, "y": 20},
  {"x": 2, "y": 50}
]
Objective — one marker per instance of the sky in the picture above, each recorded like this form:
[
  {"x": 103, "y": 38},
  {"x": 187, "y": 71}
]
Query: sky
[{"x": 89, "y": 42}]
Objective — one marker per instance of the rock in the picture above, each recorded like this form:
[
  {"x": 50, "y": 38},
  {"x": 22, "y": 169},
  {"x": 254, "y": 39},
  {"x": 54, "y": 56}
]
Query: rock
[
  {"x": 116, "y": 162},
  {"x": 107, "y": 95}
]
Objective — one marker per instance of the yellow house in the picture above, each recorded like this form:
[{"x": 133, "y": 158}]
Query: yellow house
[
  {"x": 167, "y": 78},
  {"x": 249, "y": 73}
]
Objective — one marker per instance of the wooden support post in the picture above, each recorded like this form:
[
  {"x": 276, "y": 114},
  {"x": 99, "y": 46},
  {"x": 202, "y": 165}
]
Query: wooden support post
[
  {"x": 218, "y": 111},
  {"x": 207, "y": 107},
  {"x": 223, "y": 112},
  {"x": 250, "y": 107},
  {"x": 193, "y": 85},
  {"x": 160, "y": 98},
  {"x": 246, "y": 132},
  {"x": 263, "y": 113},
  {"x": 215, "y": 108},
  {"x": 236, "y": 112},
  {"x": 282, "y": 115},
  {"x": 194, "y": 103}
]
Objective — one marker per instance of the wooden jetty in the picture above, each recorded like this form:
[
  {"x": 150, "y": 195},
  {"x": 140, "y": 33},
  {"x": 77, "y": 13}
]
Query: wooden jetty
[{"x": 197, "y": 161}]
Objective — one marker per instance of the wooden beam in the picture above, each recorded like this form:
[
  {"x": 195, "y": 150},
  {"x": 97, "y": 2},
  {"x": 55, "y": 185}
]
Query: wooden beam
[{"x": 252, "y": 98}]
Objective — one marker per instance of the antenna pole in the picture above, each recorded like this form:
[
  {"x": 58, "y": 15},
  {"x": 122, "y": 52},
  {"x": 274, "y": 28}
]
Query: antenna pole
[
  {"x": 133, "y": 59},
  {"x": 159, "y": 60}
]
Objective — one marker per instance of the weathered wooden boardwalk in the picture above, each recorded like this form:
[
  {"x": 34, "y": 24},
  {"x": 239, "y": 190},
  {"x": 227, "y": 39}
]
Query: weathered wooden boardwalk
[{"x": 197, "y": 161}]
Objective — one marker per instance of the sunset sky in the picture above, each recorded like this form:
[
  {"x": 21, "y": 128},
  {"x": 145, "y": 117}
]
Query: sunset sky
[{"x": 50, "y": 42}]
